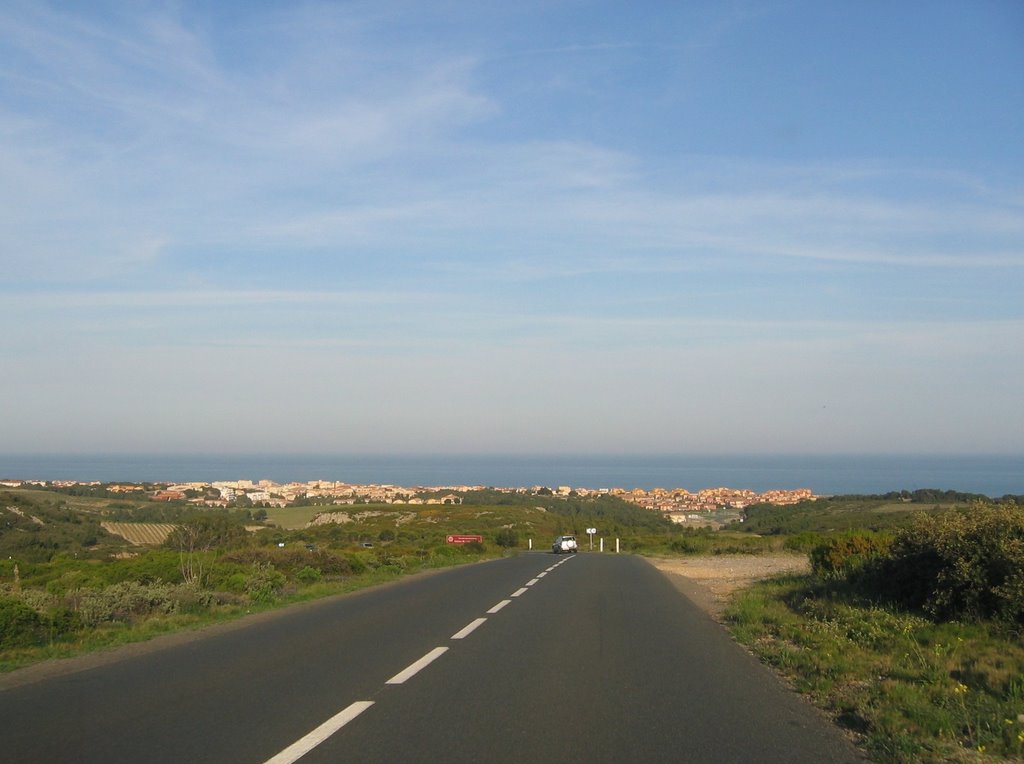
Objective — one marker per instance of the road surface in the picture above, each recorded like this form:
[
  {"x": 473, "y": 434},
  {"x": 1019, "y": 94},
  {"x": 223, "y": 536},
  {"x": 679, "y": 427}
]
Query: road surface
[{"x": 536, "y": 658}]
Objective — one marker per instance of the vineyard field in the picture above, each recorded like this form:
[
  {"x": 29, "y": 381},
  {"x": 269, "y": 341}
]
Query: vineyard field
[{"x": 143, "y": 534}]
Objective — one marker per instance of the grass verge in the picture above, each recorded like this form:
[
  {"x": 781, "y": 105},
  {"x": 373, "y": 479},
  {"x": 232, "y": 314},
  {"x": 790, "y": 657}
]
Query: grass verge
[
  {"x": 909, "y": 689},
  {"x": 112, "y": 635}
]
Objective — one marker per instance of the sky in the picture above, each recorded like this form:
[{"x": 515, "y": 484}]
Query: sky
[{"x": 784, "y": 226}]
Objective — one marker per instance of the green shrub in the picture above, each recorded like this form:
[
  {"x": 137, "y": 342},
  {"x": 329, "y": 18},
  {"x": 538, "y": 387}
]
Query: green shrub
[
  {"x": 506, "y": 538},
  {"x": 235, "y": 582},
  {"x": 356, "y": 564},
  {"x": 20, "y": 625},
  {"x": 124, "y": 601},
  {"x": 841, "y": 556},
  {"x": 959, "y": 565},
  {"x": 386, "y": 559},
  {"x": 150, "y": 567},
  {"x": 64, "y": 621},
  {"x": 803, "y": 542},
  {"x": 690, "y": 544},
  {"x": 291, "y": 561},
  {"x": 264, "y": 584},
  {"x": 308, "y": 575}
]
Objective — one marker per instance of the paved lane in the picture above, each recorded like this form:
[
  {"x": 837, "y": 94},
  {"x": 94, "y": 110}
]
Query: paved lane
[
  {"x": 244, "y": 694},
  {"x": 600, "y": 661},
  {"x": 597, "y": 659}
]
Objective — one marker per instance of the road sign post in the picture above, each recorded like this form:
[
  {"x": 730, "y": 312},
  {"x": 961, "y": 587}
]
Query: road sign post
[{"x": 591, "y": 532}]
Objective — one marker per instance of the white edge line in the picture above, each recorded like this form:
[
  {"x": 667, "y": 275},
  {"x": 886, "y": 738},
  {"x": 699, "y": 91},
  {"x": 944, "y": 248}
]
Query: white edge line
[
  {"x": 469, "y": 629},
  {"x": 498, "y": 607},
  {"x": 414, "y": 668},
  {"x": 524, "y": 590},
  {"x": 304, "y": 745}
]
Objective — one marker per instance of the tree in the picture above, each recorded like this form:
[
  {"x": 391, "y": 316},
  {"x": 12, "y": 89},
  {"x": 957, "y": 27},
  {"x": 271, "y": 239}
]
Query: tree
[{"x": 197, "y": 536}]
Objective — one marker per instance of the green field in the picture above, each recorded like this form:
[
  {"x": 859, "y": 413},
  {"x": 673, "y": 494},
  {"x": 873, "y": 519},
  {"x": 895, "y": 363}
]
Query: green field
[{"x": 291, "y": 518}]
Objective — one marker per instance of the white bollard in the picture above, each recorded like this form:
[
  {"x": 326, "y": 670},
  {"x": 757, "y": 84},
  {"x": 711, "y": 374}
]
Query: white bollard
[
  {"x": 602, "y": 544},
  {"x": 616, "y": 546},
  {"x": 531, "y": 544}
]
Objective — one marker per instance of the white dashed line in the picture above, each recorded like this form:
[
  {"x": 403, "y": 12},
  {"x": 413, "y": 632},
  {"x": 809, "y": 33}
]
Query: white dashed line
[
  {"x": 304, "y": 745},
  {"x": 469, "y": 629},
  {"x": 413, "y": 669}
]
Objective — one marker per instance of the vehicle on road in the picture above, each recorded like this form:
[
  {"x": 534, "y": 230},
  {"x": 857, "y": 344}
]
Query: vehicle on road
[{"x": 565, "y": 544}]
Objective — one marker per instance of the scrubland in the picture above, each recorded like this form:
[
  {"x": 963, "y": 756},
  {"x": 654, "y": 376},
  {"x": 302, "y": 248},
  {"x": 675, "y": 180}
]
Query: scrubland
[{"x": 900, "y": 616}]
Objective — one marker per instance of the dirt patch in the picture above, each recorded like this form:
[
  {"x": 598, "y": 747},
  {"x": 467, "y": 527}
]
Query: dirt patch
[{"x": 710, "y": 581}]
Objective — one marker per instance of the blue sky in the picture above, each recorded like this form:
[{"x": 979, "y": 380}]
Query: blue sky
[{"x": 535, "y": 227}]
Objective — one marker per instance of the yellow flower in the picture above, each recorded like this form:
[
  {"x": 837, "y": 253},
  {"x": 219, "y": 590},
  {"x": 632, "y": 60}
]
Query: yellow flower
[{"x": 960, "y": 689}]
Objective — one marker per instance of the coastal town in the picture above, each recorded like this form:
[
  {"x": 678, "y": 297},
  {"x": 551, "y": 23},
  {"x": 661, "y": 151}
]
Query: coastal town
[{"x": 678, "y": 504}]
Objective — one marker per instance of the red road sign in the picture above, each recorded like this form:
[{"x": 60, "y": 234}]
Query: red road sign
[{"x": 464, "y": 539}]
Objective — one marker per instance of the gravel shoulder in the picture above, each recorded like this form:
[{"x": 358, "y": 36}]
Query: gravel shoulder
[{"x": 709, "y": 581}]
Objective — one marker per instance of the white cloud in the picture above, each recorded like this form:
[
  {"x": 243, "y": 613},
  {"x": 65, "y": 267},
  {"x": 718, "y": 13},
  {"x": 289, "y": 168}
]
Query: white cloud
[{"x": 301, "y": 192}]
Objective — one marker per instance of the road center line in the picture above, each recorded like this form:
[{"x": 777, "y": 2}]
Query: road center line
[
  {"x": 498, "y": 607},
  {"x": 414, "y": 668},
  {"x": 532, "y": 581},
  {"x": 541, "y": 575},
  {"x": 304, "y": 745},
  {"x": 524, "y": 590},
  {"x": 469, "y": 629}
]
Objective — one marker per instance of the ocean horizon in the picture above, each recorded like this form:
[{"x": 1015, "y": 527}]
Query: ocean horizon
[{"x": 991, "y": 475}]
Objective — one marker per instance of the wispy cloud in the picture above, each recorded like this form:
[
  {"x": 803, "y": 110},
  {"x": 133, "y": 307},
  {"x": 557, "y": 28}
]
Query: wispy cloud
[
  {"x": 177, "y": 149},
  {"x": 377, "y": 193}
]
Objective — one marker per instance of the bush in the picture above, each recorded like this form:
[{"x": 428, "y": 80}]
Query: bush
[
  {"x": 64, "y": 621},
  {"x": 691, "y": 544},
  {"x": 123, "y": 601},
  {"x": 308, "y": 575},
  {"x": 841, "y": 556},
  {"x": 291, "y": 561},
  {"x": 20, "y": 625},
  {"x": 506, "y": 538},
  {"x": 264, "y": 584},
  {"x": 960, "y": 565},
  {"x": 803, "y": 542}
]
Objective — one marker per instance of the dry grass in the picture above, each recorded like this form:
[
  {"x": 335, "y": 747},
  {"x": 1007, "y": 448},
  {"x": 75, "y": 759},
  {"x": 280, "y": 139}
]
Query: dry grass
[{"x": 722, "y": 575}]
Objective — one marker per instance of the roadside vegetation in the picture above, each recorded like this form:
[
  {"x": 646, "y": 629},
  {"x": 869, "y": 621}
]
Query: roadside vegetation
[
  {"x": 69, "y": 585},
  {"x": 909, "y": 629},
  {"x": 910, "y": 634}
]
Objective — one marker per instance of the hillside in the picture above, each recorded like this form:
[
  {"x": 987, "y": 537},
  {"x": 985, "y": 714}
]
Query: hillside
[{"x": 843, "y": 513}]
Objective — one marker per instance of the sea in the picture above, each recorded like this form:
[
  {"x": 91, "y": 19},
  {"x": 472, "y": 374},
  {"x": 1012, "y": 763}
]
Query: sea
[{"x": 990, "y": 475}]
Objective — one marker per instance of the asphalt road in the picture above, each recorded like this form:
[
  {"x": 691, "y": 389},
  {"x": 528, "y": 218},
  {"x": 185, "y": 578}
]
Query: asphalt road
[{"x": 596, "y": 659}]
